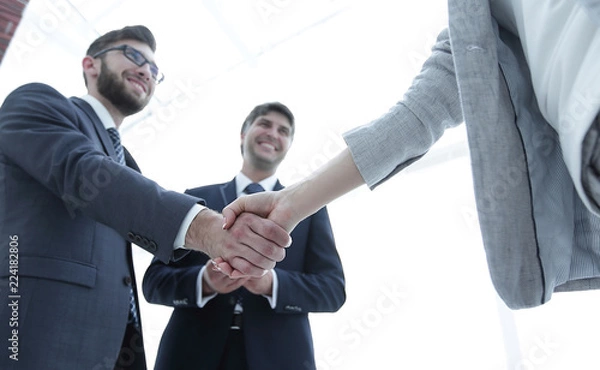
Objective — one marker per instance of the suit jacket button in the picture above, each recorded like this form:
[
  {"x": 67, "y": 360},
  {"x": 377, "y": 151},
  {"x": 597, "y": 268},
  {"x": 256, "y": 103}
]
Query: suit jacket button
[
  {"x": 152, "y": 247},
  {"x": 127, "y": 280},
  {"x": 131, "y": 236}
]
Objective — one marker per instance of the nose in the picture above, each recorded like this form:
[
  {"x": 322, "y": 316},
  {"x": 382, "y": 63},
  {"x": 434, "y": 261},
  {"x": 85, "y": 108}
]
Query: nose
[
  {"x": 272, "y": 135},
  {"x": 144, "y": 71},
  {"x": 273, "y": 131}
]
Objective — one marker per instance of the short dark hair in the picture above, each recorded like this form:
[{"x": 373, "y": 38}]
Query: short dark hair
[
  {"x": 263, "y": 109},
  {"x": 138, "y": 33}
]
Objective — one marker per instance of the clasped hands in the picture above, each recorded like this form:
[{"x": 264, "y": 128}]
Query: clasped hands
[{"x": 247, "y": 240}]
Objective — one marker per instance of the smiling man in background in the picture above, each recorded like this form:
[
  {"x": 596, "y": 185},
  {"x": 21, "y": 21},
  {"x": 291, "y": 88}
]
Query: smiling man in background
[{"x": 221, "y": 323}]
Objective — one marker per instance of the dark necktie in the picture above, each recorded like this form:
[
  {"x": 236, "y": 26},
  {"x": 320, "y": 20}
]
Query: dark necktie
[
  {"x": 253, "y": 188},
  {"x": 116, "y": 140}
]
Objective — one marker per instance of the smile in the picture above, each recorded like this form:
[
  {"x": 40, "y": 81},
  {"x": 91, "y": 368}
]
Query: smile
[
  {"x": 140, "y": 86},
  {"x": 267, "y": 145}
]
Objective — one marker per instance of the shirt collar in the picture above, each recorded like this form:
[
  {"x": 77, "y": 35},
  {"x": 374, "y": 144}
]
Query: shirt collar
[
  {"x": 100, "y": 111},
  {"x": 241, "y": 181}
]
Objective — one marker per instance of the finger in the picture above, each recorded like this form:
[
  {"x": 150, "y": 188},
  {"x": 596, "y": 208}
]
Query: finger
[
  {"x": 247, "y": 240},
  {"x": 236, "y": 274},
  {"x": 258, "y": 251},
  {"x": 260, "y": 204},
  {"x": 242, "y": 268},
  {"x": 233, "y": 210},
  {"x": 268, "y": 230},
  {"x": 216, "y": 261},
  {"x": 225, "y": 268},
  {"x": 214, "y": 264}
]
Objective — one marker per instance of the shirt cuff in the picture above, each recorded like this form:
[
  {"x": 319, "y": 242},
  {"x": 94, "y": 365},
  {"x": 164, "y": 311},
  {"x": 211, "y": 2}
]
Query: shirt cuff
[
  {"x": 185, "y": 225},
  {"x": 201, "y": 301},
  {"x": 273, "y": 297}
]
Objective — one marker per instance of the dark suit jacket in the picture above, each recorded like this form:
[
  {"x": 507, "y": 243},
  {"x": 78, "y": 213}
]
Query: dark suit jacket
[
  {"x": 73, "y": 211},
  {"x": 310, "y": 280}
]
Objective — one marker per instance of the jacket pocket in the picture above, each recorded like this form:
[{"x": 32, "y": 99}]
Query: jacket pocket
[{"x": 69, "y": 271}]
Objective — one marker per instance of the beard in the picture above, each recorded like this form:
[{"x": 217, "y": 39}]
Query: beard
[{"x": 114, "y": 90}]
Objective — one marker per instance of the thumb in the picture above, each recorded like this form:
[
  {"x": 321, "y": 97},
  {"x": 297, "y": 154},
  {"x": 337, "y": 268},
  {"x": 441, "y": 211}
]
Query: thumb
[{"x": 233, "y": 210}]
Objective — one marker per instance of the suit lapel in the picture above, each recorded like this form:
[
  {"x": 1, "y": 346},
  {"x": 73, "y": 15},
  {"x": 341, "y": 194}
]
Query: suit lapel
[
  {"x": 98, "y": 126},
  {"x": 228, "y": 192}
]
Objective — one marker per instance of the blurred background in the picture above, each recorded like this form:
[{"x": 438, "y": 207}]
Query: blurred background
[{"x": 419, "y": 293}]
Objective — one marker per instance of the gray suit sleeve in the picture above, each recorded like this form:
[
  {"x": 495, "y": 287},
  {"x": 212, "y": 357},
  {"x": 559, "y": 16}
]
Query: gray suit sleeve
[{"x": 405, "y": 133}]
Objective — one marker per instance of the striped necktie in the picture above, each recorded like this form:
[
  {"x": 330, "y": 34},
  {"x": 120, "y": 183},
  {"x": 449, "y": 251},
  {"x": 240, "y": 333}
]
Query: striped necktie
[{"x": 116, "y": 140}]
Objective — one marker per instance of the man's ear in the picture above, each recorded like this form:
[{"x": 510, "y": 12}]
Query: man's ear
[
  {"x": 242, "y": 136},
  {"x": 90, "y": 66}
]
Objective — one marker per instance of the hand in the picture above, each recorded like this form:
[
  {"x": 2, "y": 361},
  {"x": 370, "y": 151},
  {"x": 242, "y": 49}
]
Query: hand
[
  {"x": 291, "y": 205},
  {"x": 272, "y": 205},
  {"x": 262, "y": 285},
  {"x": 215, "y": 281},
  {"x": 250, "y": 247}
]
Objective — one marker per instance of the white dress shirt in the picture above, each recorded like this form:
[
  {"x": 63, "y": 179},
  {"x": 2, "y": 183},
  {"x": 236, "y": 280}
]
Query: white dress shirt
[{"x": 562, "y": 46}]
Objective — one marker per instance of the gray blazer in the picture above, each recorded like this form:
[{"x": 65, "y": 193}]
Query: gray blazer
[{"x": 538, "y": 236}]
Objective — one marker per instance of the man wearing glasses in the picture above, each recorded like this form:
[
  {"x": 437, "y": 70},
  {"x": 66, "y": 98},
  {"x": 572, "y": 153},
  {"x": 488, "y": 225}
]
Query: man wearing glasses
[{"x": 72, "y": 201}]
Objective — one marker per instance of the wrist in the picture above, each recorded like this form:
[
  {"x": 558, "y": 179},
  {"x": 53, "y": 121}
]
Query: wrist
[
  {"x": 207, "y": 287},
  {"x": 201, "y": 233}
]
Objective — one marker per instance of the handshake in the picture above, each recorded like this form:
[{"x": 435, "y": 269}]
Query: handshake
[{"x": 251, "y": 235}]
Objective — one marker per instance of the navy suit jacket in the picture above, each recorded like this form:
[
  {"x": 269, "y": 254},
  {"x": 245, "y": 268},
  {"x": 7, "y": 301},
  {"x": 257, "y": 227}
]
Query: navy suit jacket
[
  {"x": 71, "y": 212},
  {"x": 310, "y": 278}
]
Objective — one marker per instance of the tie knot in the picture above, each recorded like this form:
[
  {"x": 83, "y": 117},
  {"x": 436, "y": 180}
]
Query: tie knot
[{"x": 253, "y": 188}]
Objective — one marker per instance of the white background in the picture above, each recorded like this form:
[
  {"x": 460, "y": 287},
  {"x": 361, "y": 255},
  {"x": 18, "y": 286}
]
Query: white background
[{"x": 419, "y": 293}]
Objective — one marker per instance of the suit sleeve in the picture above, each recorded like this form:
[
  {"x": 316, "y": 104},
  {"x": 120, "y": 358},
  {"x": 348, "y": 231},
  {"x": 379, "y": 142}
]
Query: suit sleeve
[
  {"x": 42, "y": 133},
  {"x": 320, "y": 287},
  {"x": 405, "y": 133},
  {"x": 174, "y": 284}
]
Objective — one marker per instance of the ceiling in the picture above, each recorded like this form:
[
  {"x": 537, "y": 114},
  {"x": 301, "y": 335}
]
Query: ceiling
[{"x": 336, "y": 63}]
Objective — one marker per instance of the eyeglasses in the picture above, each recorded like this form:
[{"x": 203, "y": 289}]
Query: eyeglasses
[{"x": 137, "y": 58}]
